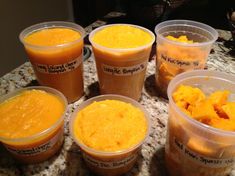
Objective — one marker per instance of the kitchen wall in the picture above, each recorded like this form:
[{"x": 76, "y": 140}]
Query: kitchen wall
[{"x": 15, "y": 15}]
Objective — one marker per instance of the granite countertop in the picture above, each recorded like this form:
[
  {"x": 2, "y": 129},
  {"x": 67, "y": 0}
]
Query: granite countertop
[{"x": 68, "y": 161}]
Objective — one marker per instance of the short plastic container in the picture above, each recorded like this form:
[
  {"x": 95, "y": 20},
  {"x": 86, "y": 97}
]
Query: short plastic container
[
  {"x": 176, "y": 57},
  {"x": 193, "y": 148},
  {"x": 43, "y": 145},
  {"x": 58, "y": 66},
  {"x": 121, "y": 71},
  {"x": 109, "y": 163}
]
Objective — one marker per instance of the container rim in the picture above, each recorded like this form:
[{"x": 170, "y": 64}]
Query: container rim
[
  {"x": 201, "y": 26},
  {"x": 46, "y": 131},
  {"x": 204, "y": 74},
  {"x": 51, "y": 24},
  {"x": 110, "y": 97},
  {"x": 121, "y": 49}
]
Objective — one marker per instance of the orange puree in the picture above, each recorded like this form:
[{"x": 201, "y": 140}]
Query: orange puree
[
  {"x": 122, "y": 36},
  {"x": 110, "y": 125},
  {"x": 29, "y": 113},
  {"x": 121, "y": 54},
  {"x": 214, "y": 110},
  {"x": 56, "y": 56},
  {"x": 52, "y": 37}
]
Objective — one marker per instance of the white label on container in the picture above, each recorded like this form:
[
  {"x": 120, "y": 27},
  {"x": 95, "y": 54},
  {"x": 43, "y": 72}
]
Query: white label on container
[
  {"x": 124, "y": 71},
  {"x": 110, "y": 164},
  {"x": 200, "y": 159},
  {"x": 59, "y": 68},
  {"x": 37, "y": 149},
  {"x": 182, "y": 63}
]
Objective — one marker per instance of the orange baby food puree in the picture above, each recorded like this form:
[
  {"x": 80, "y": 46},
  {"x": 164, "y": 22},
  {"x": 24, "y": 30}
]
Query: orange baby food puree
[
  {"x": 110, "y": 125},
  {"x": 122, "y": 37},
  {"x": 56, "y": 56},
  {"x": 52, "y": 37},
  {"x": 25, "y": 116},
  {"x": 121, "y": 53}
]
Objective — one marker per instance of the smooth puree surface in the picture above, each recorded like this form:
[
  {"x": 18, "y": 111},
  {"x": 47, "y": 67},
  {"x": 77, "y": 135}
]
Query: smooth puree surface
[
  {"x": 52, "y": 37},
  {"x": 122, "y": 36},
  {"x": 110, "y": 125},
  {"x": 29, "y": 113}
]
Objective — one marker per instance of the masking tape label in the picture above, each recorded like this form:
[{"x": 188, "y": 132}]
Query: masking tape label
[
  {"x": 124, "y": 71},
  {"x": 59, "y": 68},
  {"x": 37, "y": 149},
  {"x": 182, "y": 63},
  {"x": 200, "y": 159},
  {"x": 110, "y": 164}
]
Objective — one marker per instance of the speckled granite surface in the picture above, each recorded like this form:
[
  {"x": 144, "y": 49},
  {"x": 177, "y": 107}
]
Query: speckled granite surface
[{"x": 68, "y": 160}]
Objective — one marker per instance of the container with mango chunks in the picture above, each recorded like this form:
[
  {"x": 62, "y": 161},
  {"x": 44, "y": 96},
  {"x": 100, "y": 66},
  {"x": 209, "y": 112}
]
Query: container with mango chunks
[
  {"x": 182, "y": 45},
  {"x": 201, "y": 125}
]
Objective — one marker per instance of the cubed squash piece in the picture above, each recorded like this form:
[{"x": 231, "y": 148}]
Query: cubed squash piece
[
  {"x": 204, "y": 112},
  {"x": 188, "y": 94}
]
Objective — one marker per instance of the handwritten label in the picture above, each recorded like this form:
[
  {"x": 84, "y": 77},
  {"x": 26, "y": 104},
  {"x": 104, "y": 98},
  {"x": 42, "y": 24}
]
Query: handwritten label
[
  {"x": 110, "y": 164},
  {"x": 181, "y": 63},
  {"x": 37, "y": 149},
  {"x": 60, "y": 68},
  {"x": 124, "y": 71},
  {"x": 200, "y": 159}
]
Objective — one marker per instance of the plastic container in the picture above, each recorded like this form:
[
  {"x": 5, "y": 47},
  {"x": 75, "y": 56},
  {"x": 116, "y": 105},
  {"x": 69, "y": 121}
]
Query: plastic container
[
  {"x": 121, "y": 71},
  {"x": 193, "y": 148},
  {"x": 176, "y": 57},
  {"x": 57, "y": 66},
  {"x": 109, "y": 163},
  {"x": 43, "y": 145}
]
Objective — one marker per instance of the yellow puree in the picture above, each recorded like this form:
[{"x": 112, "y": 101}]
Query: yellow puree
[
  {"x": 28, "y": 113},
  {"x": 52, "y": 37},
  {"x": 110, "y": 125},
  {"x": 214, "y": 110},
  {"x": 122, "y": 36}
]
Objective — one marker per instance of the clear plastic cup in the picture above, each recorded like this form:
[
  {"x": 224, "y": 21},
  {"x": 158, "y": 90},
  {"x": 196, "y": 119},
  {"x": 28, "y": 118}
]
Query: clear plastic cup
[
  {"x": 193, "y": 148},
  {"x": 109, "y": 163},
  {"x": 121, "y": 71},
  {"x": 176, "y": 57},
  {"x": 57, "y": 66},
  {"x": 43, "y": 145}
]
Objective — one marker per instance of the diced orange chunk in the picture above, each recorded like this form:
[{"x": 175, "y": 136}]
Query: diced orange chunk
[
  {"x": 188, "y": 94},
  {"x": 200, "y": 146},
  {"x": 182, "y": 38},
  {"x": 229, "y": 110},
  {"x": 219, "y": 98},
  {"x": 224, "y": 124},
  {"x": 204, "y": 112}
]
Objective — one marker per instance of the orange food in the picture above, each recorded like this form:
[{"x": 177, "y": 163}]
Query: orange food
[
  {"x": 182, "y": 38},
  {"x": 52, "y": 37},
  {"x": 214, "y": 110},
  {"x": 122, "y": 37},
  {"x": 174, "y": 58},
  {"x": 25, "y": 116},
  {"x": 56, "y": 55},
  {"x": 110, "y": 125},
  {"x": 194, "y": 148},
  {"x": 121, "y": 53},
  {"x": 110, "y": 134}
]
